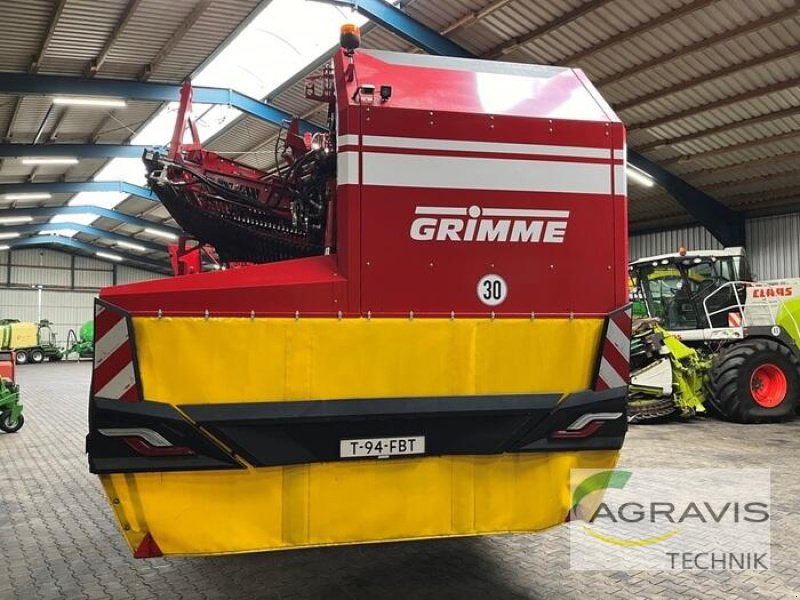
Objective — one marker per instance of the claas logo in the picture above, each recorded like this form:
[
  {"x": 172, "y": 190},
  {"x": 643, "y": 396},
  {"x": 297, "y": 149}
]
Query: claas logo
[{"x": 772, "y": 292}]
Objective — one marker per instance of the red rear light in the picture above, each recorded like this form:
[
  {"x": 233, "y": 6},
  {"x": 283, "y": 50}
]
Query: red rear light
[
  {"x": 585, "y": 425},
  {"x": 590, "y": 429},
  {"x": 145, "y": 449}
]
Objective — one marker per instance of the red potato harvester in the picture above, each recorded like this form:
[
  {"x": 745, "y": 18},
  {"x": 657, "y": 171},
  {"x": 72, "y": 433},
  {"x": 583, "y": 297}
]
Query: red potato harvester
[{"x": 402, "y": 342}]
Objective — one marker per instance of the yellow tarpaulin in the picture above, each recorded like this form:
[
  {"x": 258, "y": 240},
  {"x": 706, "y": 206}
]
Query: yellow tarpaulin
[{"x": 225, "y": 360}]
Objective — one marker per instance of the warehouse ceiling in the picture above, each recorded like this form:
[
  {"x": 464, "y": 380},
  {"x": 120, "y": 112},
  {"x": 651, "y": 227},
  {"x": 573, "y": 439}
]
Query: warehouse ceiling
[{"x": 708, "y": 89}]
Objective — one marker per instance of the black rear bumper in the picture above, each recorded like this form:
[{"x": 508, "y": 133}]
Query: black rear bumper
[{"x": 150, "y": 436}]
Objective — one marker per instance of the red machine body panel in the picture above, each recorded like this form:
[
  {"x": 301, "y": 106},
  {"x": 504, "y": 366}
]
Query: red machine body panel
[
  {"x": 472, "y": 169},
  {"x": 310, "y": 285},
  {"x": 466, "y": 169}
]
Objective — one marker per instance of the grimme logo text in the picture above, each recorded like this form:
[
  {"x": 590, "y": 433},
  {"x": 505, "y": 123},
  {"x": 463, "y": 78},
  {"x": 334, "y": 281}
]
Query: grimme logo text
[{"x": 476, "y": 224}]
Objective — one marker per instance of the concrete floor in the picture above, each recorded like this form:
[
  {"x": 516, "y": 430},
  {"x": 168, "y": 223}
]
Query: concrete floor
[{"x": 58, "y": 540}]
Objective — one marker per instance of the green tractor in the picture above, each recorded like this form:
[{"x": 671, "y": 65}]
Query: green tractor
[{"x": 741, "y": 337}]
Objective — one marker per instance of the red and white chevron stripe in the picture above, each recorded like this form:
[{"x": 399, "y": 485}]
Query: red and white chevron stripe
[
  {"x": 114, "y": 369},
  {"x": 615, "y": 358},
  {"x": 734, "y": 319}
]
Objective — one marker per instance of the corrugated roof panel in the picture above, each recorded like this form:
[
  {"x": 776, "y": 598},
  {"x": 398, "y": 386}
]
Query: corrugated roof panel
[
  {"x": 81, "y": 32},
  {"x": 118, "y": 125},
  {"x": 7, "y": 106},
  {"x": 439, "y": 15},
  {"x": 736, "y": 172},
  {"x": 768, "y": 147},
  {"x": 381, "y": 39},
  {"x": 723, "y": 140},
  {"x": 30, "y": 115},
  {"x": 23, "y": 27},
  {"x": 150, "y": 28},
  {"x": 699, "y": 68},
  {"x": 211, "y": 29},
  {"x": 14, "y": 170},
  {"x": 738, "y": 84},
  {"x": 732, "y": 114},
  {"x": 244, "y": 136},
  {"x": 562, "y": 45},
  {"x": 55, "y": 200}
]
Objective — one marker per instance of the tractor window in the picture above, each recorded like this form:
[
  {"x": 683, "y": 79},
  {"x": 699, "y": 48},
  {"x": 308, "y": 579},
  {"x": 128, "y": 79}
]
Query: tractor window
[
  {"x": 669, "y": 296},
  {"x": 636, "y": 297},
  {"x": 701, "y": 276},
  {"x": 705, "y": 277},
  {"x": 676, "y": 292},
  {"x": 742, "y": 269}
]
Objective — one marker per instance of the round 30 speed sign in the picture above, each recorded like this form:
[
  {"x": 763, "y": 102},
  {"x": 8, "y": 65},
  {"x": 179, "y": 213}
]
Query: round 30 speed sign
[{"x": 492, "y": 289}]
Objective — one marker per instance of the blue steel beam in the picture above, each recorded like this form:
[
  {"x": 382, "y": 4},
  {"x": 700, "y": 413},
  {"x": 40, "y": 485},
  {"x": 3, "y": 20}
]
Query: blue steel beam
[
  {"x": 28, "y": 229},
  {"x": 67, "y": 242},
  {"x": 52, "y": 211},
  {"x": 26, "y": 85},
  {"x": 75, "y": 150},
  {"x": 74, "y": 187},
  {"x": 724, "y": 224}
]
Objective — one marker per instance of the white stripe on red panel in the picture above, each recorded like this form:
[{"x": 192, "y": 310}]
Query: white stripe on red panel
[
  {"x": 479, "y": 172},
  {"x": 614, "y": 368},
  {"x": 114, "y": 371},
  {"x": 609, "y": 375},
  {"x": 483, "y": 147},
  {"x": 618, "y": 339},
  {"x": 346, "y": 140},
  {"x": 451, "y": 172},
  {"x": 111, "y": 341},
  {"x": 119, "y": 384},
  {"x": 620, "y": 180},
  {"x": 525, "y": 213},
  {"x": 347, "y": 169}
]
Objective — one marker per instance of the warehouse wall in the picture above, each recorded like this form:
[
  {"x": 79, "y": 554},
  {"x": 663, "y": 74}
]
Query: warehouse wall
[
  {"x": 772, "y": 243},
  {"x": 69, "y": 285}
]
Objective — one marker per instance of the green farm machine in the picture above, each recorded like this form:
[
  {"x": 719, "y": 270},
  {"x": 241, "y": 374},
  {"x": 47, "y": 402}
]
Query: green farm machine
[
  {"x": 82, "y": 343},
  {"x": 31, "y": 342},
  {"x": 708, "y": 336},
  {"x": 11, "y": 419}
]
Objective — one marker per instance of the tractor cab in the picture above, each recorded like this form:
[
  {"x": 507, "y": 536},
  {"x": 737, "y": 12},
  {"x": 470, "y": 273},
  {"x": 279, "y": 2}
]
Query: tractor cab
[{"x": 684, "y": 289}]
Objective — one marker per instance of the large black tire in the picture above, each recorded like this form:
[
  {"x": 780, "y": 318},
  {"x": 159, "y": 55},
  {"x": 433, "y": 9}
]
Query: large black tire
[
  {"x": 9, "y": 426},
  {"x": 735, "y": 390},
  {"x": 22, "y": 357},
  {"x": 37, "y": 355}
]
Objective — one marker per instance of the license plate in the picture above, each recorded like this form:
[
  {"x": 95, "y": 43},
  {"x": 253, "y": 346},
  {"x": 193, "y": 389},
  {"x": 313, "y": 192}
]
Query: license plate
[{"x": 382, "y": 447}]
